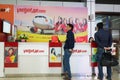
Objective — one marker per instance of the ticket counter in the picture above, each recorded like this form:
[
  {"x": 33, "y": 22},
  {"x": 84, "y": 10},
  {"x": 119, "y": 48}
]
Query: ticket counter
[{"x": 33, "y": 59}]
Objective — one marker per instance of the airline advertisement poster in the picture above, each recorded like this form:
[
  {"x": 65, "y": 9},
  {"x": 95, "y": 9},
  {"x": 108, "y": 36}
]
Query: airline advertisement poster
[
  {"x": 39, "y": 23},
  {"x": 11, "y": 54},
  {"x": 55, "y": 54},
  {"x": 93, "y": 54},
  {"x": 7, "y": 12}
]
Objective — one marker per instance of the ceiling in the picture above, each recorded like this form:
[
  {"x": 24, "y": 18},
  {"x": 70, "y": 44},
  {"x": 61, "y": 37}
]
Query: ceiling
[
  {"x": 108, "y": 1},
  {"x": 97, "y": 1}
]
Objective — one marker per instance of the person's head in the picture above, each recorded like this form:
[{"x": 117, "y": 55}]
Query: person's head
[
  {"x": 76, "y": 20},
  {"x": 53, "y": 51},
  {"x": 99, "y": 25},
  {"x": 70, "y": 20},
  {"x": 91, "y": 39},
  {"x": 64, "y": 20},
  {"x": 60, "y": 19},
  {"x": 10, "y": 51},
  {"x": 96, "y": 29},
  {"x": 84, "y": 21},
  {"x": 69, "y": 27}
]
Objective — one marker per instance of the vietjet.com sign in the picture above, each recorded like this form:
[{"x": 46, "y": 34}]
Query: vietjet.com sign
[
  {"x": 33, "y": 49},
  {"x": 82, "y": 49}
]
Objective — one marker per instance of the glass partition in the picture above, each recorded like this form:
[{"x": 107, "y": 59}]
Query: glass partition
[{"x": 112, "y": 23}]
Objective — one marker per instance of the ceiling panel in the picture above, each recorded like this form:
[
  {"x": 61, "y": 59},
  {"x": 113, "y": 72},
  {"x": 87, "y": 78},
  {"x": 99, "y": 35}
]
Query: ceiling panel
[
  {"x": 108, "y": 1},
  {"x": 97, "y": 1}
]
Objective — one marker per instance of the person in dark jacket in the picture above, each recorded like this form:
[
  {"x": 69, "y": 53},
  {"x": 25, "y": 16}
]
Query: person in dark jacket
[
  {"x": 68, "y": 48},
  {"x": 103, "y": 39}
]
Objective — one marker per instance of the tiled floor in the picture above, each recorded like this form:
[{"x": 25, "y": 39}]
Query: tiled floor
[{"x": 115, "y": 76}]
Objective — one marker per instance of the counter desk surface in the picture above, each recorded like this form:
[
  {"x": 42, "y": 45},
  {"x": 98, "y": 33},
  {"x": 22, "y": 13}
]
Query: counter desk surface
[{"x": 37, "y": 63}]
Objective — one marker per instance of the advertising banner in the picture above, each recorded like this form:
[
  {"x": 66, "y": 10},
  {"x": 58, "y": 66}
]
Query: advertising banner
[
  {"x": 39, "y": 23},
  {"x": 55, "y": 54},
  {"x": 7, "y": 12},
  {"x": 11, "y": 54},
  {"x": 93, "y": 54}
]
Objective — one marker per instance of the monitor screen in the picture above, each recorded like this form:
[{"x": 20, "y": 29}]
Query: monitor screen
[{"x": 6, "y": 27}]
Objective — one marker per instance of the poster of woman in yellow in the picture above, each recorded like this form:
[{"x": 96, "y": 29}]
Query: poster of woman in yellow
[
  {"x": 55, "y": 54},
  {"x": 10, "y": 55}
]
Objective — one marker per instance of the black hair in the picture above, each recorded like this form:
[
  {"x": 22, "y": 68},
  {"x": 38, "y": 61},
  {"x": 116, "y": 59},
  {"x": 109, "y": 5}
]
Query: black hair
[
  {"x": 85, "y": 21},
  {"x": 70, "y": 25},
  {"x": 69, "y": 20},
  {"x": 100, "y": 25},
  {"x": 11, "y": 49},
  {"x": 76, "y": 20},
  {"x": 54, "y": 51},
  {"x": 60, "y": 21},
  {"x": 90, "y": 38}
]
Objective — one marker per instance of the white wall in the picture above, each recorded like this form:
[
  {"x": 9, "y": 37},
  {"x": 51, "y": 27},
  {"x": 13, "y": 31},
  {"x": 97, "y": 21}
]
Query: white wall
[
  {"x": 42, "y": 3},
  {"x": 91, "y": 15},
  {"x": 107, "y": 8},
  {"x": 8, "y": 2},
  {"x": 1, "y": 59}
]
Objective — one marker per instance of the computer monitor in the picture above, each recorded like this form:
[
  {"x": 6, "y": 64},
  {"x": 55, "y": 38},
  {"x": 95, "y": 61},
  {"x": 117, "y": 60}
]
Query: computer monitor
[{"x": 6, "y": 27}]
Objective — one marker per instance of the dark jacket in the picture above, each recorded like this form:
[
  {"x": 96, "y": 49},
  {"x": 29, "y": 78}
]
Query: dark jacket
[
  {"x": 69, "y": 43},
  {"x": 103, "y": 38}
]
